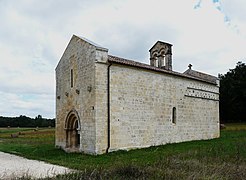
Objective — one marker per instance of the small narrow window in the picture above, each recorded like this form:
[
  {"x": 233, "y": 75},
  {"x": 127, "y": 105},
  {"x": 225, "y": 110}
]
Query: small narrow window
[
  {"x": 71, "y": 78},
  {"x": 174, "y": 116}
]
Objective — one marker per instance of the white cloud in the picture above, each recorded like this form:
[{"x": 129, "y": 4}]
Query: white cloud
[
  {"x": 33, "y": 35},
  {"x": 13, "y": 104}
]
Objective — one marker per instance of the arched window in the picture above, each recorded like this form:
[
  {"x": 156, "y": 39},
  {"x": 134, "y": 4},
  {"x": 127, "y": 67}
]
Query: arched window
[
  {"x": 162, "y": 56},
  {"x": 174, "y": 115},
  {"x": 71, "y": 77},
  {"x": 155, "y": 60}
]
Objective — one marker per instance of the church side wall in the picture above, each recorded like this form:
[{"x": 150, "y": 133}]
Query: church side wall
[
  {"x": 142, "y": 103},
  {"x": 79, "y": 56},
  {"x": 101, "y": 108}
]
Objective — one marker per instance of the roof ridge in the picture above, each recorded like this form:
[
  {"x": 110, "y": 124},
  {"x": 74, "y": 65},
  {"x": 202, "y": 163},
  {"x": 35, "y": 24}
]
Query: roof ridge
[
  {"x": 92, "y": 43},
  {"x": 128, "y": 62}
]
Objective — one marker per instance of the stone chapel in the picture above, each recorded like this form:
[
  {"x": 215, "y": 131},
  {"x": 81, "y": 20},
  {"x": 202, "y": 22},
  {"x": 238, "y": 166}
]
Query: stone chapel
[{"x": 106, "y": 103}]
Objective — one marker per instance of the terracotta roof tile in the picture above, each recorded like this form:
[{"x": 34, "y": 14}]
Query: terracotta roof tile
[{"x": 114, "y": 59}]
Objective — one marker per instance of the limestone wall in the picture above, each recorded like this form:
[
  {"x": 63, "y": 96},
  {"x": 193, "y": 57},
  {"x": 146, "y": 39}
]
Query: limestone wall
[
  {"x": 142, "y": 102},
  {"x": 79, "y": 56}
]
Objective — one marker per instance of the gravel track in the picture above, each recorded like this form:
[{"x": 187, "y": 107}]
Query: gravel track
[{"x": 12, "y": 166}]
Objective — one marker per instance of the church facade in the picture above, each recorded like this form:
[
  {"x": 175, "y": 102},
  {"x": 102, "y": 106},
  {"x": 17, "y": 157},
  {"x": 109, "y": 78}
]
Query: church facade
[{"x": 106, "y": 103}]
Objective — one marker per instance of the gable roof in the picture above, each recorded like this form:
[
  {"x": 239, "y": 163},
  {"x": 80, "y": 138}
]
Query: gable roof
[
  {"x": 118, "y": 60},
  {"x": 73, "y": 41},
  {"x": 161, "y": 43},
  {"x": 200, "y": 75},
  {"x": 99, "y": 47}
]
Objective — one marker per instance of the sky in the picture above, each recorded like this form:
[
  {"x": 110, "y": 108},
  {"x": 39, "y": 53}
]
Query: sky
[{"x": 209, "y": 34}]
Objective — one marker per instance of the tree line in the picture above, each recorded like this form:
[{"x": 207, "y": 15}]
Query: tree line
[
  {"x": 24, "y": 121},
  {"x": 233, "y": 94}
]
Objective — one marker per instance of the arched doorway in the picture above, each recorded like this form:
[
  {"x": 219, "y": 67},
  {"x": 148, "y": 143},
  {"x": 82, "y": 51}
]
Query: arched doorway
[{"x": 72, "y": 128}]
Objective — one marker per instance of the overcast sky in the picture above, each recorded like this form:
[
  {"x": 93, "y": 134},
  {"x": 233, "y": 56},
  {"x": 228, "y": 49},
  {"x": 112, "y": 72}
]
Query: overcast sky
[{"x": 209, "y": 34}]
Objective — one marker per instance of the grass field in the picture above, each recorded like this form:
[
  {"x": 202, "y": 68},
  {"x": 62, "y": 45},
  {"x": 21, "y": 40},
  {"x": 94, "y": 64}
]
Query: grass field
[{"x": 222, "y": 158}]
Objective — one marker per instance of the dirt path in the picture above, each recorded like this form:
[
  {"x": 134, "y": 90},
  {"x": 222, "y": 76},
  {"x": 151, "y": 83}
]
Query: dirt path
[{"x": 15, "y": 166}]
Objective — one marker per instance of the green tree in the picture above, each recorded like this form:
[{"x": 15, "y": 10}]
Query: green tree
[
  {"x": 24, "y": 121},
  {"x": 233, "y": 94}
]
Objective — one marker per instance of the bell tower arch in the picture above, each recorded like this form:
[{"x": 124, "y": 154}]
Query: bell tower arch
[{"x": 161, "y": 55}]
